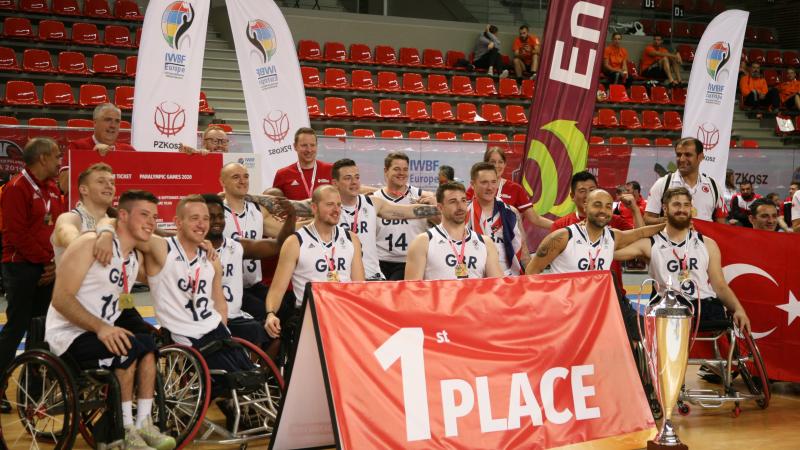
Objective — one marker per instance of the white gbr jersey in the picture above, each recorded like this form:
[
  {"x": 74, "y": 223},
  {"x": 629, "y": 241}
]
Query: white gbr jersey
[
  {"x": 490, "y": 224},
  {"x": 361, "y": 219},
  {"x": 98, "y": 294},
  {"x": 230, "y": 257},
  {"x": 182, "y": 294},
  {"x": 249, "y": 224},
  {"x": 312, "y": 264},
  {"x": 395, "y": 235},
  {"x": 665, "y": 263},
  {"x": 441, "y": 263},
  {"x": 58, "y": 251},
  {"x": 582, "y": 255}
]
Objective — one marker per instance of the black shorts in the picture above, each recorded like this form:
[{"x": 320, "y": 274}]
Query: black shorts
[
  {"x": 254, "y": 301},
  {"x": 655, "y": 72},
  {"x": 227, "y": 359},
  {"x": 393, "y": 271},
  {"x": 250, "y": 330},
  {"x": 89, "y": 352},
  {"x": 131, "y": 320}
]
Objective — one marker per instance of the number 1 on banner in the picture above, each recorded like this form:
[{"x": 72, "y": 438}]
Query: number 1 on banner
[{"x": 406, "y": 345}]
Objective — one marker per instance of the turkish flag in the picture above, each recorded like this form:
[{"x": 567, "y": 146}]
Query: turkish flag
[{"x": 761, "y": 268}]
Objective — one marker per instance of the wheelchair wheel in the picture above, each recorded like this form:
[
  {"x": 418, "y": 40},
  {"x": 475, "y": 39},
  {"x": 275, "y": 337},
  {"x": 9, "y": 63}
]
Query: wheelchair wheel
[
  {"x": 267, "y": 399},
  {"x": 187, "y": 392},
  {"x": 751, "y": 367},
  {"x": 44, "y": 406}
]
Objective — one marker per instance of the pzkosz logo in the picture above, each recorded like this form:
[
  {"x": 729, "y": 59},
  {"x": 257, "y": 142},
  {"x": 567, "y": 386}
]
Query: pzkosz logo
[
  {"x": 262, "y": 37},
  {"x": 718, "y": 56},
  {"x": 175, "y": 23},
  {"x": 276, "y": 125},
  {"x": 169, "y": 118},
  {"x": 708, "y": 134}
]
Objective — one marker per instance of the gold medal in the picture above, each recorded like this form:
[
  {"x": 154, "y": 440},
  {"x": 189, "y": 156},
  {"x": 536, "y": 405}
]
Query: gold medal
[
  {"x": 694, "y": 212},
  {"x": 333, "y": 275},
  {"x": 126, "y": 301},
  {"x": 683, "y": 275},
  {"x": 461, "y": 271}
]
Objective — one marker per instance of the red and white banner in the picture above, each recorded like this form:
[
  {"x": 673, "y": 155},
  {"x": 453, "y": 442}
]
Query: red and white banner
[
  {"x": 761, "y": 268},
  {"x": 170, "y": 176},
  {"x": 463, "y": 364}
]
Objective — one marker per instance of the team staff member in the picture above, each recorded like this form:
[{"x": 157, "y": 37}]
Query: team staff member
[
  {"x": 215, "y": 140},
  {"x": 706, "y": 198},
  {"x": 299, "y": 180},
  {"x": 107, "y": 118},
  {"x": 451, "y": 250},
  {"x": 31, "y": 204},
  {"x": 795, "y": 216},
  {"x": 764, "y": 215}
]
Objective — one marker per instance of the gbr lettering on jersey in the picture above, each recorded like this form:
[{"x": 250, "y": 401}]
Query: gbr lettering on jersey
[
  {"x": 581, "y": 254},
  {"x": 394, "y": 236},
  {"x": 230, "y": 257},
  {"x": 311, "y": 260},
  {"x": 249, "y": 224},
  {"x": 665, "y": 263},
  {"x": 361, "y": 219}
]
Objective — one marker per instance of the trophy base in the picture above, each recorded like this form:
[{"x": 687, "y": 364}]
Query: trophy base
[{"x": 653, "y": 445}]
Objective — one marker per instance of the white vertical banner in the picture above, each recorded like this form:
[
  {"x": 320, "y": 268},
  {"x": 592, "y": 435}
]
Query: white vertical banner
[
  {"x": 273, "y": 85},
  {"x": 708, "y": 114},
  {"x": 168, "y": 74}
]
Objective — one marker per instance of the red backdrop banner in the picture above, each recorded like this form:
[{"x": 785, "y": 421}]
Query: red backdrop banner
[
  {"x": 761, "y": 268},
  {"x": 523, "y": 362},
  {"x": 170, "y": 176}
]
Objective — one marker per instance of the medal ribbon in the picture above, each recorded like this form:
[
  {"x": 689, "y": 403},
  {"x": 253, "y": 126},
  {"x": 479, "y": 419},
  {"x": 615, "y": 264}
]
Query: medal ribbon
[
  {"x": 354, "y": 224},
  {"x": 593, "y": 260},
  {"x": 36, "y": 189},
  {"x": 236, "y": 222},
  {"x": 328, "y": 259},
  {"x": 310, "y": 190},
  {"x": 459, "y": 256},
  {"x": 192, "y": 281}
]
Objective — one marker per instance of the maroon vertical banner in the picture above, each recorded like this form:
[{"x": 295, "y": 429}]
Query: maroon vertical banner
[{"x": 563, "y": 103}]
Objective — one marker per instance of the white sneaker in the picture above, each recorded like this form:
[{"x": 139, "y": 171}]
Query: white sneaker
[
  {"x": 490, "y": 72},
  {"x": 133, "y": 441},
  {"x": 154, "y": 437},
  {"x": 504, "y": 74}
]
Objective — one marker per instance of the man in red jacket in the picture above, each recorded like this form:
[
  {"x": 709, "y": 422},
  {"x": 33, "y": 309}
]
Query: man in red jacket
[
  {"x": 298, "y": 180},
  {"x": 107, "y": 118},
  {"x": 31, "y": 203}
]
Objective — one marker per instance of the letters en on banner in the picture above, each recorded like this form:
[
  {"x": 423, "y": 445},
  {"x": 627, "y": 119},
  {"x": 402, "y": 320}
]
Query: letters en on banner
[
  {"x": 170, "y": 176},
  {"x": 563, "y": 106},
  {"x": 462, "y": 364}
]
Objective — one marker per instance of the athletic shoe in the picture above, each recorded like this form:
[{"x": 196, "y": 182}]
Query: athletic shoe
[
  {"x": 133, "y": 441},
  {"x": 504, "y": 74},
  {"x": 490, "y": 72},
  {"x": 155, "y": 438},
  {"x": 709, "y": 375}
]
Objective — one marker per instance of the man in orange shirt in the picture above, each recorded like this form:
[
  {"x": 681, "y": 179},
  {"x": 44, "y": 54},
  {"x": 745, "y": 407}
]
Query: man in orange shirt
[
  {"x": 658, "y": 63},
  {"x": 615, "y": 62},
  {"x": 789, "y": 91},
  {"x": 526, "y": 52},
  {"x": 754, "y": 89}
]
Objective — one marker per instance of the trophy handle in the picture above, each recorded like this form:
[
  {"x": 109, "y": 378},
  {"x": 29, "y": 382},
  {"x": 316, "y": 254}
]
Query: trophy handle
[{"x": 695, "y": 314}]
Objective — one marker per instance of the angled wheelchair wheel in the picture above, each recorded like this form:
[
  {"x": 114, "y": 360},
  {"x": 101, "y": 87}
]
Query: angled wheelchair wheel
[
  {"x": 186, "y": 389},
  {"x": 265, "y": 401},
  {"x": 752, "y": 368},
  {"x": 44, "y": 404}
]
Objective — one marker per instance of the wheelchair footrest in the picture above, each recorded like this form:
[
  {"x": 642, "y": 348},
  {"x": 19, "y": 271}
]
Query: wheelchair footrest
[{"x": 245, "y": 380}]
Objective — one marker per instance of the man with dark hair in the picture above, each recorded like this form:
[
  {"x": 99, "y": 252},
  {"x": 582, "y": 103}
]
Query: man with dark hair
[
  {"x": 794, "y": 186},
  {"x": 740, "y": 204},
  {"x": 615, "y": 62},
  {"x": 297, "y": 181},
  {"x": 795, "y": 213},
  {"x": 581, "y": 185},
  {"x": 659, "y": 63},
  {"x": 763, "y": 215},
  {"x": 707, "y": 203},
  {"x": 526, "y": 52},
  {"x": 446, "y": 174},
  {"x": 107, "y": 118},
  {"x": 635, "y": 189}
]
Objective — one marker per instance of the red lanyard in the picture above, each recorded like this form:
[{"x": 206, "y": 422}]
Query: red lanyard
[
  {"x": 192, "y": 281},
  {"x": 397, "y": 195},
  {"x": 125, "y": 277},
  {"x": 236, "y": 223},
  {"x": 328, "y": 259},
  {"x": 459, "y": 256},
  {"x": 592, "y": 259},
  {"x": 354, "y": 224},
  {"x": 309, "y": 190},
  {"x": 37, "y": 190}
]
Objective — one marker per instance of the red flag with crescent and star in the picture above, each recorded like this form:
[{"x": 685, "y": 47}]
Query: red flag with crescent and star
[{"x": 761, "y": 268}]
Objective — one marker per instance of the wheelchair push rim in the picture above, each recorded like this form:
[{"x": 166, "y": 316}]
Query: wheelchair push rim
[
  {"x": 752, "y": 369},
  {"x": 271, "y": 394}
]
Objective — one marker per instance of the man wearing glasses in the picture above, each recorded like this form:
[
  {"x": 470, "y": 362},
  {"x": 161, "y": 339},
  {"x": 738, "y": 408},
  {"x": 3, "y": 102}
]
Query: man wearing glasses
[{"x": 215, "y": 140}]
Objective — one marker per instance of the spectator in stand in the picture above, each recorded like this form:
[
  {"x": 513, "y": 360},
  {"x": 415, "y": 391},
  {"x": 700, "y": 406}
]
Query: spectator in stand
[
  {"x": 775, "y": 199},
  {"x": 635, "y": 189},
  {"x": 446, "y": 174},
  {"x": 106, "y": 131},
  {"x": 615, "y": 62},
  {"x": 526, "y": 53},
  {"x": 740, "y": 205},
  {"x": 659, "y": 63},
  {"x": 487, "y": 53},
  {"x": 787, "y": 203},
  {"x": 795, "y": 212},
  {"x": 763, "y": 215},
  {"x": 215, "y": 140},
  {"x": 788, "y": 92},
  {"x": 755, "y": 92},
  {"x": 730, "y": 189}
]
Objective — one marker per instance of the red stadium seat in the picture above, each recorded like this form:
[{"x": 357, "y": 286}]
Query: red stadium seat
[
  {"x": 390, "y": 109},
  {"x": 687, "y": 52},
  {"x": 97, "y": 8},
  {"x": 92, "y": 95},
  {"x": 130, "y": 66},
  {"x": 672, "y": 121},
  {"x": 391, "y": 134},
  {"x": 52, "y": 30},
  {"x": 58, "y": 94},
  {"x": 311, "y": 78},
  {"x": 750, "y": 34},
  {"x": 387, "y": 82},
  {"x": 385, "y": 55},
  {"x": 509, "y": 88},
  {"x": 772, "y": 77},
  {"x": 766, "y": 36},
  {"x": 79, "y": 134},
  {"x": 336, "y": 107},
  {"x": 442, "y": 112},
  {"x": 73, "y": 63},
  {"x": 748, "y": 143},
  {"x": 335, "y": 52},
  {"x": 66, "y": 7},
  {"x": 412, "y": 83},
  {"x": 21, "y": 93},
  {"x": 106, "y": 64},
  {"x": 360, "y": 54},
  {"x": 696, "y": 30},
  {"x": 117, "y": 36},
  {"x": 520, "y": 137},
  {"x": 85, "y": 34},
  {"x": 461, "y": 85},
  {"x": 335, "y": 78},
  {"x": 469, "y": 136},
  {"x": 334, "y": 132},
  {"x": 34, "y": 6},
  {"x": 416, "y": 111},
  {"x": 663, "y": 142},
  {"x": 484, "y": 87},
  {"x": 433, "y": 58},
  {"x": 607, "y": 118},
  {"x": 678, "y": 96},
  {"x": 648, "y": 25},
  {"x": 437, "y": 84},
  {"x": 17, "y": 28},
  {"x": 527, "y": 88},
  {"x": 756, "y": 55},
  {"x": 617, "y": 94},
  {"x": 127, "y": 10},
  {"x": 123, "y": 97},
  {"x": 309, "y": 50},
  {"x": 641, "y": 141},
  {"x": 419, "y": 134},
  {"x": 364, "y": 133},
  {"x": 80, "y": 123},
  {"x": 8, "y": 60},
  {"x": 639, "y": 94},
  {"x": 596, "y": 140},
  {"x": 774, "y": 58},
  {"x": 515, "y": 115},
  {"x": 364, "y": 109},
  {"x": 7, "y": 5},
  {"x": 664, "y": 28},
  {"x": 452, "y": 57},
  {"x": 733, "y": 143},
  {"x": 617, "y": 140},
  {"x": 312, "y": 105},
  {"x": 409, "y": 56},
  {"x": 445, "y": 136},
  {"x": 633, "y": 71},
  {"x": 205, "y": 107},
  {"x": 629, "y": 119},
  {"x": 791, "y": 58},
  {"x": 659, "y": 95},
  {"x": 466, "y": 112},
  {"x": 361, "y": 80},
  {"x": 651, "y": 120},
  {"x": 497, "y": 137},
  {"x": 42, "y": 122},
  {"x": 682, "y": 30},
  {"x": 37, "y": 61},
  {"x": 492, "y": 113}
]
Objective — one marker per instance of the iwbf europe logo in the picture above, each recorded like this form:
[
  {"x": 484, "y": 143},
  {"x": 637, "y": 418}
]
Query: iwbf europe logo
[
  {"x": 176, "y": 21},
  {"x": 262, "y": 37},
  {"x": 717, "y": 58}
]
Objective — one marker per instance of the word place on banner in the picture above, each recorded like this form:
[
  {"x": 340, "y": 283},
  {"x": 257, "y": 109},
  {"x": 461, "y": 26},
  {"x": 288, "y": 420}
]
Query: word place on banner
[{"x": 462, "y": 364}]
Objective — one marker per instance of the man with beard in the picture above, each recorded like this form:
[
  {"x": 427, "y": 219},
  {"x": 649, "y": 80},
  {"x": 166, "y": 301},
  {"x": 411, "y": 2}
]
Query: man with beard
[
  {"x": 740, "y": 204},
  {"x": 321, "y": 251},
  {"x": 451, "y": 250},
  {"x": 679, "y": 254}
]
